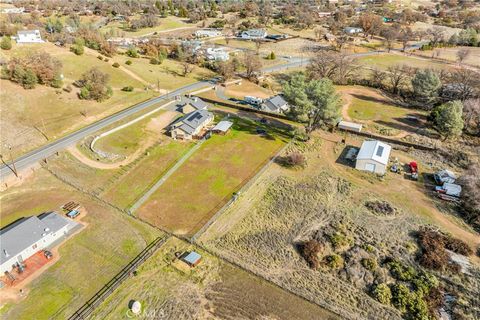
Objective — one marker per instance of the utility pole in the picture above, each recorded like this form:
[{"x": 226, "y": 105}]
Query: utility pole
[{"x": 13, "y": 168}]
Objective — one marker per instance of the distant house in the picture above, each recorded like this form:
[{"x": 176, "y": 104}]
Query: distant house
[
  {"x": 13, "y": 10},
  {"x": 191, "y": 125},
  {"x": 216, "y": 54},
  {"x": 222, "y": 127},
  {"x": 208, "y": 32},
  {"x": 22, "y": 239},
  {"x": 276, "y": 36},
  {"x": 29, "y": 36},
  {"x": 352, "y": 30},
  {"x": 275, "y": 104},
  {"x": 189, "y": 105},
  {"x": 253, "y": 34},
  {"x": 373, "y": 156}
]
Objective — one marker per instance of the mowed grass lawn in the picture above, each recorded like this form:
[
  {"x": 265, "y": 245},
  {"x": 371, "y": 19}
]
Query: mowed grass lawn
[
  {"x": 87, "y": 260},
  {"x": 210, "y": 177},
  {"x": 145, "y": 173}
]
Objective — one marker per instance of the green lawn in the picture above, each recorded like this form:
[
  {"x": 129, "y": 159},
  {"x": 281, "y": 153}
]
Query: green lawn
[
  {"x": 383, "y": 61},
  {"x": 210, "y": 177},
  {"x": 87, "y": 260},
  {"x": 361, "y": 109},
  {"x": 145, "y": 173}
]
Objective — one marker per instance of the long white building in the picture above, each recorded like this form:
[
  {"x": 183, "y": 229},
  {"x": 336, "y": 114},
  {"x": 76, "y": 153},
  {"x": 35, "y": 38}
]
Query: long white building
[{"x": 22, "y": 239}]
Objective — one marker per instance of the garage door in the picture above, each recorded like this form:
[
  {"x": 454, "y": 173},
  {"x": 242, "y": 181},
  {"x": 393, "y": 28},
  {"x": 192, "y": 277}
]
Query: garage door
[{"x": 370, "y": 167}]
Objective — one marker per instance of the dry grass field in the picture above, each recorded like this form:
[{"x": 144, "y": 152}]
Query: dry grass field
[
  {"x": 450, "y": 54},
  {"x": 169, "y": 289},
  {"x": 210, "y": 177},
  {"x": 86, "y": 261},
  {"x": 326, "y": 201}
]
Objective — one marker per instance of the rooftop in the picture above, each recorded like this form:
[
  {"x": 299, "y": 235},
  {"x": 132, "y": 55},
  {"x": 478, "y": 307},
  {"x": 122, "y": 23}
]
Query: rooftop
[
  {"x": 25, "y": 232},
  {"x": 192, "y": 258},
  {"x": 193, "y": 120},
  {"x": 374, "y": 150},
  {"x": 223, "y": 126}
]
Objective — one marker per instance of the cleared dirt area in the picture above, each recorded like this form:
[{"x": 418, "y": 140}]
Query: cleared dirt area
[
  {"x": 87, "y": 260},
  {"x": 247, "y": 88},
  {"x": 210, "y": 177},
  {"x": 170, "y": 289}
]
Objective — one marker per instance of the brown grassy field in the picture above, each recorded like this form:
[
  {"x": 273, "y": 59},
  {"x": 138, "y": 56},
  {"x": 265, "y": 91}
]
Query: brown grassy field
[
  {"x": 210, "y": 177},
  {"x": 171, "y": 290},
  {"x": 326, "y": 201}
]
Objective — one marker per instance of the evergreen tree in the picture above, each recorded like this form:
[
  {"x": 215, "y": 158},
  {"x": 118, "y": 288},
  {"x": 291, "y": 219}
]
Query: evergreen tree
[
  {"x": 448, "y": 119},
  {"x": 6, "y": 43},
  {"x": 426, "y": 84}
]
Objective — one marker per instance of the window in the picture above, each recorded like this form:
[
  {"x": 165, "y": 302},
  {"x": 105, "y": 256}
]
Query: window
[
  {"x": 379, "y": 151},
  {"x": 34, "y": 246}
]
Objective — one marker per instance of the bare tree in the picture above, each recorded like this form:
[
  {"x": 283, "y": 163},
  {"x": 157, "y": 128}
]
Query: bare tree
[
  {"x": 258, "y": 45},
  {"x": 462, "y": 84},
  {"x": 471, "y": 115},
  {"x": 335, "y": 66},
  {"x": 371, "y": 23},
  {"x": 226, "y": 69},
  {"x": 463, "y": 54},
  {"x": 436, "y": 35},
  {"x": 389, "y": 35},
  {"x": 377, "y": 77},
  {"x": 252, "y": 64},
  {"x": 470, "y": 182},
  {"x": 405, "y": 35},
  {"x": 397, "y": 77}
]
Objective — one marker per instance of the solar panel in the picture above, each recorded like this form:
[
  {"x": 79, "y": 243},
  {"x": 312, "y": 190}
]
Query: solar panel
[{"x": 379, "y": 151}]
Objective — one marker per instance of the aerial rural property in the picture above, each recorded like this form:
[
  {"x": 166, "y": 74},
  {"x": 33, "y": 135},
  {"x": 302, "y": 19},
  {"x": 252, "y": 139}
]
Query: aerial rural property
[{"x": 240, "y": 159}]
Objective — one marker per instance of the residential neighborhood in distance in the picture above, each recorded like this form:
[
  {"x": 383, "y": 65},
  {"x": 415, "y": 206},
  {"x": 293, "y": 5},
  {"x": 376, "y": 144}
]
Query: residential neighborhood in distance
[{"x": 240, "y": 159}]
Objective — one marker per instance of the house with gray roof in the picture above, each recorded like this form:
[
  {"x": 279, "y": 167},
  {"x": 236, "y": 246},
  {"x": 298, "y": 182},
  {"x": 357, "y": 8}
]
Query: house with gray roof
[
  {"x": 253, "y": 34},
  {"x": 189, "y": 105},
  {"x": 373, "y": 157},
  {"x": 25, "y": 237},
  {"x": 275, "y": 104},
  {"x": 191, "y": 125}
]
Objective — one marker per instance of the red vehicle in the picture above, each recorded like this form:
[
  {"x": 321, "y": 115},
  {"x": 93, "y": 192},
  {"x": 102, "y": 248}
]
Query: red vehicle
[{"x": 413, "y": 170}]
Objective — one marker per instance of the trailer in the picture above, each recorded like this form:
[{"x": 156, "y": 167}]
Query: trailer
[
  {"x": 449, "y": 189},
  {"x": 253, "y": 100}
]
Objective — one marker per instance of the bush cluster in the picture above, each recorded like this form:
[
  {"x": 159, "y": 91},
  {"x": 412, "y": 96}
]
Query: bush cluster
[{"x": 310, "y": 251}]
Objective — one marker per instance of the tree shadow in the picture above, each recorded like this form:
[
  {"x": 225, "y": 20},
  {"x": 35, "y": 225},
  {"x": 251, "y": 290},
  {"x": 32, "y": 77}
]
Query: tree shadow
[
  {"x": 373, "y": 99},
  {"x": 346, "y": 157}
]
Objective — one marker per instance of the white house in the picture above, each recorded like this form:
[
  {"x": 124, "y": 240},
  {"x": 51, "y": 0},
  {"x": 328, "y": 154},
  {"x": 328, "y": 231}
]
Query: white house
[
  {"x": 29, "y": 36},
  {"x": 13, "y": 10},
  {"x": 216, "y": 54},
  {"x": 352, "y": 30},
  {"x": 208, "y": 32},
  {"x": 373, "y": 156},
  {"x": 22, "y": 239},
  {"x": 253, "y": 34}
]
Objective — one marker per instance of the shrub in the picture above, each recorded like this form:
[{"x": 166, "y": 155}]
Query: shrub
[
  {"x": 128, "y": 62},
  {"x": 309, "y": 251},
  {"x": 294, "y": 159},
  {"x": 6, "y": 43},
  {"x": 424, "y": 282},
  {"x": 400, "y": 271},
  {"x": 338, "y": 239},
  {"x": 382, "y": 293},
  {"x": 127, "y": 89},
  {"x": 400, "y": 296},
  {"x": 380, "y": 207},
  {"x": 132, "y": 52},
  {"x": 99, "y": 57},
  {"x": 106, "y": 59},
  {"x": 116, "y": 65},
  {"x": 78, "y": 50},
  {"x": 369, "y": 263},
  {"x": 334, "y": 261}
]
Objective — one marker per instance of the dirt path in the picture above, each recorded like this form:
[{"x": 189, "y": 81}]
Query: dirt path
[
  {"x": 156, "y": 124},
  {"x": 347, "y": 98}
]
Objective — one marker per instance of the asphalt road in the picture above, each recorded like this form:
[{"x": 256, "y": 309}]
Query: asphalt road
[{"x": 45, "y": 151}]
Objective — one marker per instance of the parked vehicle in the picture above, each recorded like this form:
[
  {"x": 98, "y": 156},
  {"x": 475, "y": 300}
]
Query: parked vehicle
[
  {"x": 413, "y": 170},
  {"x": 73, "y": 214},
  {"x": 47, "y": 254},
  {"x": 444, "y": 176},
  {"x": 253, "y": 100},
  {"x": 450, "y": 189}
]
